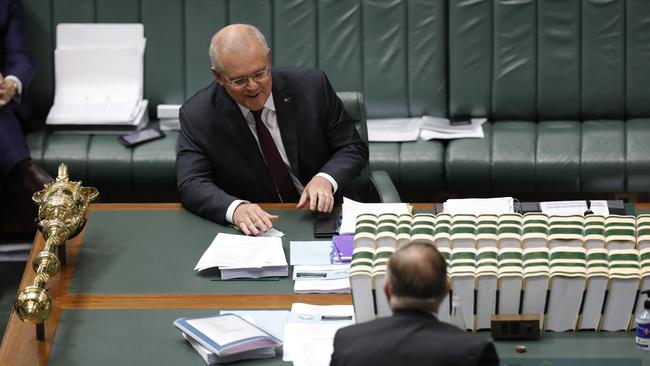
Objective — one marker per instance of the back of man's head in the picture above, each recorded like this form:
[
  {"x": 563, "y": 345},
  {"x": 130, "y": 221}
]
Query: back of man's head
[{"x": 417, "y": 278}]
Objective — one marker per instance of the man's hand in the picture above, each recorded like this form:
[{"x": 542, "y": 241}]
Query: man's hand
[
  {"x": 252, "y": 220},
  {"x": 318, "y": 192},
  {"x": 7, "y": 91}
]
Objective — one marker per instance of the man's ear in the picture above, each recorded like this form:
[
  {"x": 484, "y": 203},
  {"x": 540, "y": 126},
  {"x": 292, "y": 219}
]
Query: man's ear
[
  {"x": 387, "y": 291},
  {"x": 217, "y": 75},
  {"x": 268, "y": 57}
]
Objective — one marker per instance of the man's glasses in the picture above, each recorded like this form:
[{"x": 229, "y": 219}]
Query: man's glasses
[{"x": 243, "y": 81}]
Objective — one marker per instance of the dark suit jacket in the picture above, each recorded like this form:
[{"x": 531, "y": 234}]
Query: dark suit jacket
[
  {"x": 219, "y": 161},
  {"x": 410, "y": 338}
]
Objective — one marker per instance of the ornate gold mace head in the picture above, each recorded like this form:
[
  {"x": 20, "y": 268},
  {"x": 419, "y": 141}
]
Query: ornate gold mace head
[{"x": 62, "y": 207}]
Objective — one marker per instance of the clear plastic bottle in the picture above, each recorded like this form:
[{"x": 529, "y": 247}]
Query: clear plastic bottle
[
  {"x": 642, "y": 321},
  {"x": 457, "y": 318}
]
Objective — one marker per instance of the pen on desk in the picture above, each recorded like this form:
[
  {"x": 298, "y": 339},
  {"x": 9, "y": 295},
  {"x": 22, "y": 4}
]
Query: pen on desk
[
  {"x": 311, "y": 274},
  {"x": 336, "y": 317}
]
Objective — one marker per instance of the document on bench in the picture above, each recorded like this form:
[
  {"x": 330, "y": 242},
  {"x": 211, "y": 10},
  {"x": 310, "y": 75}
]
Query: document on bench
[
  {"x": 568, "y": 208},
  {"x": 309, "y": 332},
  {"x": 394, "y": 129},
  {"x": 245, "y": 256},
  {"x": 351, "y": 209},
  {"x": 479, "y": 206},
  {"x": 442, "y": 129}
]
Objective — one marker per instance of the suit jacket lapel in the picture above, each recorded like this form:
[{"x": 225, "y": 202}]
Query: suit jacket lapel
[
  {"x": 286, "y": 111},
  {"x": 235, "y": 127}
]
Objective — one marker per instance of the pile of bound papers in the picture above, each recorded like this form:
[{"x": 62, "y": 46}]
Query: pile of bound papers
[
  {"x": 425, "y": 128},
  {"x": 227, "y": 338},
  {"x": 98, "y": 74},
  {"x": 168, "y": 117},
  {"x": 239, "y": 256}
]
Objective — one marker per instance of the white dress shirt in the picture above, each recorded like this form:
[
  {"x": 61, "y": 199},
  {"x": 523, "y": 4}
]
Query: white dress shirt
[{"x": 270, "y": 120}]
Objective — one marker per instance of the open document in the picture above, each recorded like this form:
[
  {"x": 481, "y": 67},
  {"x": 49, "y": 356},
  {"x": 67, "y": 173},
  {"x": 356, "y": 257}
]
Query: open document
[
  {"x": 239, "y": 256},
  {"x": 98, "y": 73},
  {"x": 309, "y": 332}
]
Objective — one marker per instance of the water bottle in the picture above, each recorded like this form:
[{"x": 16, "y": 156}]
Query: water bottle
[
  {"x": 642, "y": 321},
  {"x": 457, "y": 313}
]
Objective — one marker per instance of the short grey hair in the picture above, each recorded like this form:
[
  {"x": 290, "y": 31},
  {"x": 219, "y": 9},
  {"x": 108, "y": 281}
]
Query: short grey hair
[{"x": 218, "y": 46}]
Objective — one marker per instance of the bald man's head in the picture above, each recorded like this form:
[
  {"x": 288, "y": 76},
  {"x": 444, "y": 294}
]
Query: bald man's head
[
  {"x": 417, "y": 277},
  {"x": 236, "y": 39}
]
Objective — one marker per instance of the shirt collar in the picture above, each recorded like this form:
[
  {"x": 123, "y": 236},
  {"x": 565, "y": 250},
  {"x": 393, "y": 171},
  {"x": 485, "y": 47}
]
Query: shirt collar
[{"x": 268, "y": 105}]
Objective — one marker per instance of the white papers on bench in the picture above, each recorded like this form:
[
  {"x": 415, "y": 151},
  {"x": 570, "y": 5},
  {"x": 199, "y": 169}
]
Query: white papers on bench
[
  {"x": 309, "y": 332},
  {"x": 98, "y": 73},
  {"x": 227, "y": 338},
  {"x": 479, "y": 206},
  {"x": 168, "y": 116},
  {"x": 351, "y": 209},
  {"x": 566, "y": 208},
  {"x": 239, "y": 256},
  {"x": 425, "y": 128}
]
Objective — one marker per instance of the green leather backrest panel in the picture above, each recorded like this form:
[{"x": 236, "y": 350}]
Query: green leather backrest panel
[
  {"x": 549, "y": 59},
  {"x": 637, "y": 58},
  {"x": 392, "y": 51}
]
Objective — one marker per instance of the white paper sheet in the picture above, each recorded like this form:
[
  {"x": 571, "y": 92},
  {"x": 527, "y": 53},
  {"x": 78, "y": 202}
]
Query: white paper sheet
[
  {"x": 479, "y": 206},
  {"x": 394, "y": 129},
  {"x": 352, "y": 209},
  {"x": 567, "y": 208},
  {"x": 239, "y": 251}
]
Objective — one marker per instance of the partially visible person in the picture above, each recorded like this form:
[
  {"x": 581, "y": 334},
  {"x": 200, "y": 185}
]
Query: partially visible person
[
  {"x": 416, "y": 284},
  {"x": 261, "y": 134},
  {"x": 16, "y": 74}
]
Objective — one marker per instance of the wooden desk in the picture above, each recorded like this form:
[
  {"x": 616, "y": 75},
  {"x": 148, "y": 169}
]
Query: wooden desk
[{"x": 19, "y": 346}]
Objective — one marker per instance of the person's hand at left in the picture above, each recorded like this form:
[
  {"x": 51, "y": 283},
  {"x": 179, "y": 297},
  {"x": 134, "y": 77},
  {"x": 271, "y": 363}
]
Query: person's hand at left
[
  {"x": 318, "y": 192},
  {"x": 7, "y": 91}
]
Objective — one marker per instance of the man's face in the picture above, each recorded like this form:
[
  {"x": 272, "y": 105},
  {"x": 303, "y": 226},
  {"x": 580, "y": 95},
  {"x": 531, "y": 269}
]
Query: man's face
[{"x": 242, "y": 64}]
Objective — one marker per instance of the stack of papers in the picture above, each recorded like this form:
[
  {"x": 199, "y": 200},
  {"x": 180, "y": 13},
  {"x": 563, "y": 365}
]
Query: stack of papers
[
  {"x": 425, "y": 128},
  {"x": 168, "y": 116},
  {"x": 309, "y": 332},
  {"x": 99, "y": 73},
  {"x": 479, "y": 206},
  {"x": 351, "y": 209},
  {"x": 239, "y": 256},
  {"x": 323, "y": 279},
  {"x": 227, "y": 338},
  {"x": 14, "y": 252}
]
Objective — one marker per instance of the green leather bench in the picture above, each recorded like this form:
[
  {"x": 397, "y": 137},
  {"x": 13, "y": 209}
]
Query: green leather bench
[{"x": 563, "y": 83}]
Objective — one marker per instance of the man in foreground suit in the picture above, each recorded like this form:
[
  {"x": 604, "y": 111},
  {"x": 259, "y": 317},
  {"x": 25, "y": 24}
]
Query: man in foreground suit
[
  {"x": 16, "y": 74},
  {"x": 262, "y": 135},
  {"x": 416, "y": 284}
]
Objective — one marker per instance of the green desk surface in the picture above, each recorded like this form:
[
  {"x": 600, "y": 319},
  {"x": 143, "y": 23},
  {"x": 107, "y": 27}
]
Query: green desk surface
[
  {"x": 154, "y": 252},
  {"x": 147, "y": 337},
  {"x": 128, "y": 337}
]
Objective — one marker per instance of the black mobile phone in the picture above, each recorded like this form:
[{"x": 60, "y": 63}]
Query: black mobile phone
[
  {"x": 138, "y": 137},
  {"x": 325, "y": 224}
]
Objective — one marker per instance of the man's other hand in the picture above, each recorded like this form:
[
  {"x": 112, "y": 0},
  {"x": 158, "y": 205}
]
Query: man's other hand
[
  {"x": 252, "y": 220},
  {"x": 7, "y": 91},
  {"x": 318, "y": 192}
]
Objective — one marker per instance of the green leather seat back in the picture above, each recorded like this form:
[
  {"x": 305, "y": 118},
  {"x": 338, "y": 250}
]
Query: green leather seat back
[
  {"x": 578, "y": 68},
  {"x": 391, "y": 51}
]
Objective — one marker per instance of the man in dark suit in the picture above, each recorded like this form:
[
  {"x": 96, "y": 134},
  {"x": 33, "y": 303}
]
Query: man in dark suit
[
  {"x": 416, "y": 284},
  {"x": 262, "y": 135},
  {"x": 16, "y": 74}
]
